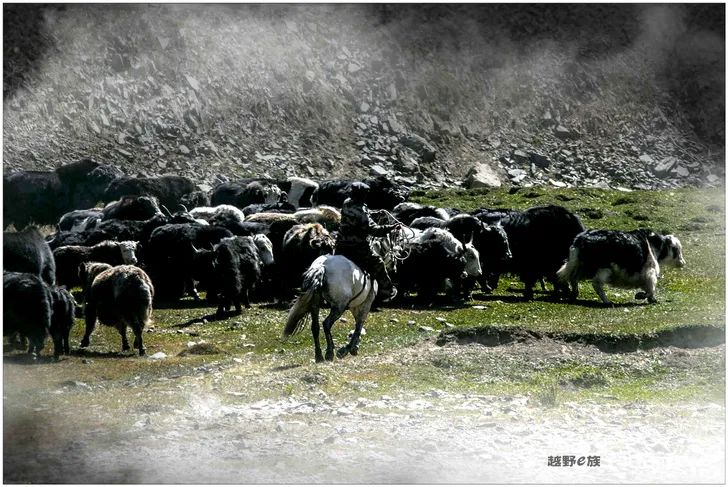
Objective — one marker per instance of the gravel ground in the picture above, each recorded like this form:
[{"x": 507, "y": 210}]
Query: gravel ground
[{"x": 198, "y": 429}]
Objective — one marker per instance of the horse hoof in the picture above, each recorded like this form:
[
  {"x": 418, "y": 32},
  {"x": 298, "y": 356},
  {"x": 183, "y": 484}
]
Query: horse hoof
[
  {"x": 342, "y": 352},
  {"x": 329, "y": 356},
  {"x": 354, "y": 350},
  {"x": 319, "y": 359}
]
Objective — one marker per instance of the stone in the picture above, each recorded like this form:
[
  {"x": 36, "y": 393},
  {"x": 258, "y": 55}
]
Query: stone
[
  {"x": 663, "y": 167},
  {"x": 407, "y": 164},
  {"x": 445, "y": 128},
  {"x": 158, "y": 356},
  {"x": 682, "y": 171},
  {"x": 377, "y": 170},
  {"x": 418, "y": 144},
  {"x": 184, "y": 149},
  {"x": 515, "y": 172},
  {"x": 538, "y": 160},
  {"x": 713, "y": 179},
  {"x": 563, "y": 133},
  {"x": 394, "y": 126},
  {"x": 646, "y": 159},
  {"x": 547, "y": 119},
  {"x": 558, "y": 184},
  {"x": 364, "y": 107},
  {"x": 521, "y": 157},
  {"x": 482, "y": 176},
  {"x": 425, "y": 329}
]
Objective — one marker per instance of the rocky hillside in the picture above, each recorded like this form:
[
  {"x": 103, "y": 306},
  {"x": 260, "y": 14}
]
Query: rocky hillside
[{"x": 619, "y": 95}]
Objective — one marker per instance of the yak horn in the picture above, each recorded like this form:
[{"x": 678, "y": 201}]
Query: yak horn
[{"x": 165, "y": 210}]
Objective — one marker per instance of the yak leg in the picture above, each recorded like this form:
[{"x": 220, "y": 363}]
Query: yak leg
[
  {"x": 574, "y": 292},
  {"x": 598, "y": 285},
  {"x": 246, "y": 299},
  {"x": 57, "y": 345},
  {"x": 66, "y": 345},
  {"x": 315, "y": 330},
  {"x": 649, "y": 288},
  {"x": 90, "y": 322},
  {"x": 192, "y": 289},
  {"x": 138, "y": 340},
  {"x": 528, "y": 284},
  {"x": 335, "y": 314},
  {"x": 124, "y": 341}
]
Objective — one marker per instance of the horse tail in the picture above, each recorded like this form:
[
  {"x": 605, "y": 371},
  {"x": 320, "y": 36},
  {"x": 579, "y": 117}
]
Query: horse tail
[{"x": 313, "y": 281}]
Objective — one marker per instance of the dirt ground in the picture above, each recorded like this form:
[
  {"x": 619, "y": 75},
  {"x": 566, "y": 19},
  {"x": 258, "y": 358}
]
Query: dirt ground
[{"x": 204, "y": 427}]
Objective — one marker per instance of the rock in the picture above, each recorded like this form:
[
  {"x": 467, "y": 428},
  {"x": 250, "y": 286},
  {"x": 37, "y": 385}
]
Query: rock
[
  {"x": 682, "y": 171},
  {"x": 353, "y": 68},
  {"x": 425, "y": 329},
  {"x": 481, "y": 176},
  {"x": 158, "y": 356},
  {"x": 444, "y": 128},
  {"x": 76, "y": 384},
  {"x": 392, "y": 91},
  {"x": 646, "y": 159},
  {"x": 538, "y": 160},
  {"x": 494, "y": 142},
  {"x": 418, "y": 144},
  {"x": 563, "y": 133},
  {"x": 663, "y": 167},
  {"x": 406, "y": 164},
  {"x": 93, "y": 126},
  {"x": 377, "y": 170},
  {"x": 194, "y": 84},
  {"x": 394, "y": 126},
  {"x": 547, "y": 120},
  {"x": 558, "y": 184},
  {"x": 411, "y": 323},
  {"x": 184, "y": 149},
  {"x": 364, "y": 107},
  {"x": 521, "y": 157},
  {"x": 713, "y": 179}
]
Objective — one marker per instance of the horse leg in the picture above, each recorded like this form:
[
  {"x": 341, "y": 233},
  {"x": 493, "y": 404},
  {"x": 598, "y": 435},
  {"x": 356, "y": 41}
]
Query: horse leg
[
  {"x": 334, "y": 315},
  {"x": 315, "y": 329},
  {"x": 360, "y": 315}
]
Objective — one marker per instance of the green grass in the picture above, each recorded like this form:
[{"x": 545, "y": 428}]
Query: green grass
[{"x": 251, "y": 344}]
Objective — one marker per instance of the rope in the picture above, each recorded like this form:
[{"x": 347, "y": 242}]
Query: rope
[{"x": 398, "y": 249}]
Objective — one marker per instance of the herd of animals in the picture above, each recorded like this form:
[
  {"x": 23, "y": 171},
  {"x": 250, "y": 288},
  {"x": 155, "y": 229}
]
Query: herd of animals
[{"x": 159, "y": 239}]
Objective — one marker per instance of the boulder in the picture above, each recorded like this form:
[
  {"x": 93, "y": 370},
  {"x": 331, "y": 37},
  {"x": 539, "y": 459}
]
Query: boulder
[
  {"x": 663, "y": 167},
  {"x": 418, "y": 144},
  {"x": 564, "y": 133},
  {"x": 538, "y": 160},
  {"x": 377, "y": 170},
  {"x": 481, "y": 176},
  {"x": 521, "y": 157}
]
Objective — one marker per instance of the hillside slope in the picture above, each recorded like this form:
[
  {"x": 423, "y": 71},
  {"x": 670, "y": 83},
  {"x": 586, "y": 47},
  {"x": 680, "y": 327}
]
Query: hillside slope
[{"x": 599, "y": 95}]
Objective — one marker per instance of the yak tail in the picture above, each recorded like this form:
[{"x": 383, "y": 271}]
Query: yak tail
[
  {"x": 313, "y": 281},
  {"x": 570, "y": 270},
  {"x": 142, "y": 293}
]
